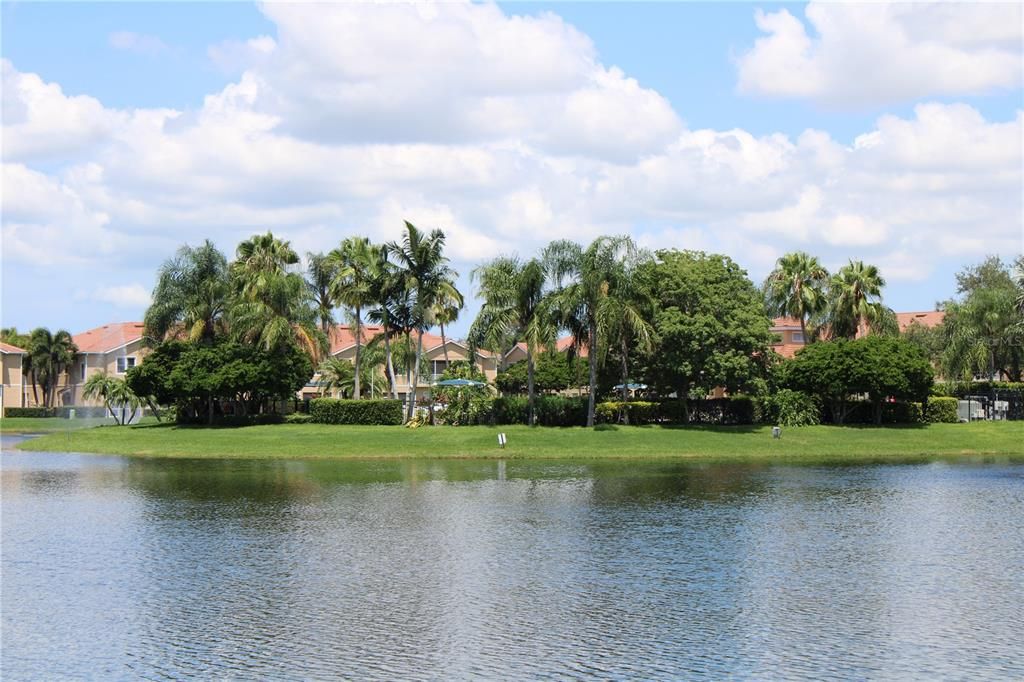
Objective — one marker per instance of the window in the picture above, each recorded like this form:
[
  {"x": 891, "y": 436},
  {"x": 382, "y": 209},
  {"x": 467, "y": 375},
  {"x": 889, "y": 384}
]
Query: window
[
  {"x": 798, "y": 337},
  {"x": 81, "y": 371},
  {"x": 124, "y": 364}
]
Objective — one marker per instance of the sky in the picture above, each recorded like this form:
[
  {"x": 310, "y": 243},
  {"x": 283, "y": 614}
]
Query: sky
[{"x": 892, "y": 133}]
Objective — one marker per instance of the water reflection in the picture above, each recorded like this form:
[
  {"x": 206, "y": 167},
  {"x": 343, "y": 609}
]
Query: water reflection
[{"x": 422, "y": 570}]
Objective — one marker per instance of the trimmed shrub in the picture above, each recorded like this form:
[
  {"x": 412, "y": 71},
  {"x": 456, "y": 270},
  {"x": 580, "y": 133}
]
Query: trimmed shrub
[
  {"x": 552, "y": 410},
  {"x": 376, "y": 412},
  {"x": 791, "y": 408},
  {"x": 942, "y": 411},
  {"x": 298, "y": 418},
  {"x": 640, "y": 412},
  {"x": 465, "y": 408},
  {"x": 902, "y": 413},
  {"x": 35, "y": 412}
]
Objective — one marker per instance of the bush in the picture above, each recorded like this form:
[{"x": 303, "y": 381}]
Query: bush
[
  {"x": 942, "y": 411},
  {"x": 298, "y": 418},
  {"x": 30, "y": 412},
  {"x": 552, "y": 410},
  {"x": 639, "y": 411},
  {"x": 467, "y": 407},
  {"x": 376, "y": 412},
  {"x": 791, "y": 408}
]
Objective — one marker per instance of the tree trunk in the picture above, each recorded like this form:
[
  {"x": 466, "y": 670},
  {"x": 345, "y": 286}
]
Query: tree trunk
[
  {"x": 389, "y": 365},
  {"x": 592, "y": 357},
  {"x": 532, "y": 419},
  {"x": 878, "y": 412},
  {"x": 444, "y": 345},
  {"x": 359, "y": 342},
  {"x": 416, "y": 373},
  {"x": 803, "y": 329},
  {"x": 684, "y": 395},
  {"x": 209, "y": 410},
  {"x": 35, "y": 394},
  {"x": 625, "y": 381}
]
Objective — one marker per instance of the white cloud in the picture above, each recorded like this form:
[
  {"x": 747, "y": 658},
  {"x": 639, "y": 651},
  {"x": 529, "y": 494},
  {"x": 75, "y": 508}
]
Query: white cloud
[
  {"x": 876, "y": 53},
  {"x": 140, "y": 43},
  {"x": 570, "y": 152}
]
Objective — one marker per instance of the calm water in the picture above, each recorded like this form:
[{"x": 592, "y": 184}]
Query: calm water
[{"x": 118, "y": 568}]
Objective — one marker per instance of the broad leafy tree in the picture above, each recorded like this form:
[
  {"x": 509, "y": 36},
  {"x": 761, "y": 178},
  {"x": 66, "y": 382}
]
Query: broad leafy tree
[{"x": 710, "y": 325}]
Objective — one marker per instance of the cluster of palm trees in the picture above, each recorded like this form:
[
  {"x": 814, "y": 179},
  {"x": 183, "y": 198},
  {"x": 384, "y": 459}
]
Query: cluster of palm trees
[
  {"x": 592, "y": 292},
  {"x": 839, "y": 305},
  {"x": 262, "y": 297},
  {"x": 48, "y": 356}
]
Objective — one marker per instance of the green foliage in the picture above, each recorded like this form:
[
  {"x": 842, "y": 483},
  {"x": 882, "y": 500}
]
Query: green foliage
[
  {"x": 198, "y": 378},
  {"x": 463, "y": 405},
  {"x": 298, "y": 418},
  {"x": 113, "y": 391},
  {"x": 855, "y": 294},
  {"x": 334, "y": 411},
  {"x": 191, "y": 296},
  {"x": 710, "y": 325},
  {"x": 942, "y": 411},
  {"x": 553, "y": 371},
  {"x": 796, "y": 288},
  {"x": 49, "y": 356},
  {"x": 881, "y": 367},
  {"x": 786, "y": 407},
  {"x": 638, "y": 412},
  {"x": 551, "y": 410},
  {"x": 34, "y": 412},
  {"x": 931, "y": 340},
  {"x": 985, "y": 328}
]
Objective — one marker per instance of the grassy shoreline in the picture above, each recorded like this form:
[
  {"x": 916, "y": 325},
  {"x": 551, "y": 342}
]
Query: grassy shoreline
[{"x": 1004, "y": 440}]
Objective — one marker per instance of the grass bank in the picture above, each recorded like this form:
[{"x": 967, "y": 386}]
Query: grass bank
[
  {"x": 11, "y": 425},
  {"x": 809, "y": 444}
]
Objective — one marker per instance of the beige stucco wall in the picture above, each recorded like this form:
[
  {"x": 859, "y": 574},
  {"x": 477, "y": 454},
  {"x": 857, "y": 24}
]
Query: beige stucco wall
[
  {"x": 11, "y": 375},
  {"x": 70, "y": 387}
]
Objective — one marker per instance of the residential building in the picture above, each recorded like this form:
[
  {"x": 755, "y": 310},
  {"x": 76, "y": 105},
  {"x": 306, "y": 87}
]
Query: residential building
[
  {"x": 791, "y": 337},
  {"x": 113, "y": 348},
  {"x": 12, "y": 390}
]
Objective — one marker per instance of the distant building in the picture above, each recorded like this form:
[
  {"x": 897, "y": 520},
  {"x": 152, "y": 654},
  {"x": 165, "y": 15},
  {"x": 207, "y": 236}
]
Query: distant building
[
  {"x": 12, "y": 390},
  {"x": 791, "y": 338}
]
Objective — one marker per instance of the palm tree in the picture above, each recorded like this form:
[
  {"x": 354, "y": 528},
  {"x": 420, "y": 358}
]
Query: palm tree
[
  {"x": 336, "y": 374},
  {"x": 51, "y": 355},
  {"x": 445, "y": 311},
  {"x": 427, "y": 276},
  {"x": 627, "y": 311},
  {"x": 514, "y": 308},
  {"x": 585, "y": 279},
  {"x": 321, "y": 272},
  {"x": 273, "y": 303},
  {"x": 1018, "y": 266},
  {"x": 796, "y": 288},
  {"x": 855, "y": 293},
  {"x": 192, "y": 291},
  {"x": 352, "y": 285},
  {"x": 112, "y": 391},
  {"x": 386, "y": 291}
]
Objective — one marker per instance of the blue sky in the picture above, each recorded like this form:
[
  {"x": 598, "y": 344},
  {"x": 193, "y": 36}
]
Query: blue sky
[{"x": 573, "y": 148}]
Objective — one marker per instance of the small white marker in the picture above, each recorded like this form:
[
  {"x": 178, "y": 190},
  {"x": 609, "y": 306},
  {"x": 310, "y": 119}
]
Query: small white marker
[{"x": 502, "y": 440}]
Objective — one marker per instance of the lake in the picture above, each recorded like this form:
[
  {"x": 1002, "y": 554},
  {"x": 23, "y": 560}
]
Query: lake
[{"x": 119, "y": 568}]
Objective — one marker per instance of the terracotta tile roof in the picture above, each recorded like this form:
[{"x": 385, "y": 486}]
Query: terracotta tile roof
[
  {"x": 931, "y": 318},
  {"x": 13, "y": 350},
  {"x": 785, "y": 322},
  {"x": 345, "y": 337},
  {"x": 108, "y": 337}
]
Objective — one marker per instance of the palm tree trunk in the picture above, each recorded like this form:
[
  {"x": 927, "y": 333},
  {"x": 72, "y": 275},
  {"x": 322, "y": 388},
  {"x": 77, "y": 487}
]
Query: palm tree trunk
[
  {"x": 444, "y": 345},
  {"x": 625, "y": 381},
  {"x": 35, "y": 394},
  {"x": 416, "y": 372},
  {"x": 358, "y": 344},
  {"x": 530, "y": 399},
  {"x": 803, "y": 330},
  {"x": 592, "y": 357},
  {"x": 390, "y": 365}
]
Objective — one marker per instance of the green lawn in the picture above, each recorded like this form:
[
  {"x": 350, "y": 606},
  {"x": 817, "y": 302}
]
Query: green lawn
[
  {"x": 11, "y": 425},
  {"x": 809, "y": 444}
]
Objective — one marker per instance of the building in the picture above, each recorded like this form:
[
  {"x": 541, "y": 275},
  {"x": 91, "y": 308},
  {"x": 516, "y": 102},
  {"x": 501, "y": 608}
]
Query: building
[
  {"x": 343, "y": 345},
  {"x": 791, "y": 338},
  {"x": 113, "y": 348},
  {"x": 12, "y": 390}
]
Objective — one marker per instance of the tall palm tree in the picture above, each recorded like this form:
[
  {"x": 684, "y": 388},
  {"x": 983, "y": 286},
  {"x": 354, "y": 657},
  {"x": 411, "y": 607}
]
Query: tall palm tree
[
  {"x": 428, "y": 277},
  {"x": 445, "y": 311},
  {"x": 52, "y": 354},
  {"x": 352, "y": 286},
  {"x": 855, "y": 293},
  {"x": 321, "y": 272},
  {"x": 585, "y": 279},
  {"x": 192, "y": 292},
  {"x": 386, "y": 288},
  {"x": 628, "y": 309},
  {"x": 515, "y": 308},
  {"x": 273, "y": 304},
  {"x": 797, "y": 288}
]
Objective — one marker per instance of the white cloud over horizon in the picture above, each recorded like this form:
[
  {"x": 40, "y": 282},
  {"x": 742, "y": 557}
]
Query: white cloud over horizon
[{"x": 330, "y": 129}]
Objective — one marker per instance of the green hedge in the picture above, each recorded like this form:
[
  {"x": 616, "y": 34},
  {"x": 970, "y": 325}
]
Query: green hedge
[
  {"x": 639, "y": 411},
  {"x": 943, "y": 411},
  {"x": 376, "y": 412},
  {"x": 790, "y": 408},
  {"x": 552, "y": 410},
  {"x": 30, "y": 412}
]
